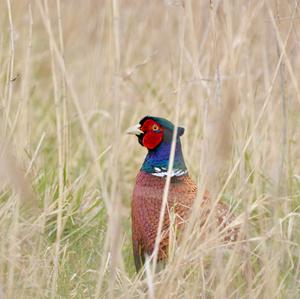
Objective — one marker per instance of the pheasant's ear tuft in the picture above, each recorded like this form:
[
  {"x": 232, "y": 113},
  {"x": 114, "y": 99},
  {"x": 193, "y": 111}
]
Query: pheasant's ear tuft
[{"x": 180, "y": 131}]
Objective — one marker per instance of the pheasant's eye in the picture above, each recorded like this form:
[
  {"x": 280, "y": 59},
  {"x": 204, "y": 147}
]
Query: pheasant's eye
[{"x": 155, "y": 128}]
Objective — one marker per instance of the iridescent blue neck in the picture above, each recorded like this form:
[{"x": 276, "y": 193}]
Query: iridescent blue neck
[{"x": 157, "y": 160}]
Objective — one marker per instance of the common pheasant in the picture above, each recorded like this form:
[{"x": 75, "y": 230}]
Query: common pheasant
[{"x": 155, "y": 134}]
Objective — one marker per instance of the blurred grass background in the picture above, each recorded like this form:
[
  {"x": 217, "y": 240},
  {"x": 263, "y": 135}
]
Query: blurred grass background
[{"x": 75, "y": 74}]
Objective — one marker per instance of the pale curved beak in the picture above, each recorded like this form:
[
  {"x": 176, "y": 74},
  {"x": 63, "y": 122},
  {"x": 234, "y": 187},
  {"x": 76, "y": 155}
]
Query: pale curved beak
[{"x": 134, "y": 130}]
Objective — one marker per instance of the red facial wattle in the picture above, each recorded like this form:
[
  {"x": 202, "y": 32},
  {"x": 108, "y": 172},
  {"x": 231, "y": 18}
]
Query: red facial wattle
[
  {"x": 153, "y": 134},
  {"x": 152, "y": 139}
]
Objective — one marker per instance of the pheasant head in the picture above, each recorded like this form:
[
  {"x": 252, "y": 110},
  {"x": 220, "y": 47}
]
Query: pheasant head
[{"x": 156, "y": 135}]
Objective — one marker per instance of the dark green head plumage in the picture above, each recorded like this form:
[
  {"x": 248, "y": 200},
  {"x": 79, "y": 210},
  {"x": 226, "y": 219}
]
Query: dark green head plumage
[{"x": 164, "y": 123}]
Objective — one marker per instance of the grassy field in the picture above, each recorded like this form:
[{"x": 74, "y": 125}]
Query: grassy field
[{"x": 75, "y": 74}]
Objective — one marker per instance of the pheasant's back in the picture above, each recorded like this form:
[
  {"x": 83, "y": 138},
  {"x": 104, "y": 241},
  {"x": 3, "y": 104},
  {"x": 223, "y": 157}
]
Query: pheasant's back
[{"x": 146, "y": 207}]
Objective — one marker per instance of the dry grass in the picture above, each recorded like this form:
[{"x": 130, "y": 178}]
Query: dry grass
[{"x": 75, "y": 74}]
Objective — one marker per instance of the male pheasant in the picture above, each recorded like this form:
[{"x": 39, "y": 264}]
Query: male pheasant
[{"x": 156, "y": 135}]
